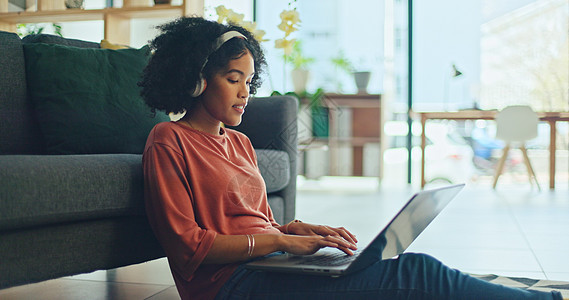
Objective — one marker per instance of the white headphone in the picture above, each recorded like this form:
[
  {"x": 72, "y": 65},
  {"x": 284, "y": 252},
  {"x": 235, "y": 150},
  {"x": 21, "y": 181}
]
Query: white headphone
[{"x": 200, "y": 86}]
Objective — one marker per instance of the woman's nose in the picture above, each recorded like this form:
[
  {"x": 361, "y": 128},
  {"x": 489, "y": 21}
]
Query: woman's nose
[{"x": 244, "y": 91}]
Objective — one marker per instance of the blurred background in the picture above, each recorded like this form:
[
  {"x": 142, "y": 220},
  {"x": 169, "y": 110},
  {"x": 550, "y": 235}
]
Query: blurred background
[{"x": 475, "y": 54}]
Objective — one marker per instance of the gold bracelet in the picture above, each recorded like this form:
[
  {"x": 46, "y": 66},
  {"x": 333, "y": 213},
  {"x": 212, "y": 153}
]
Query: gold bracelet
[
  {"x": 249, "y": 241},
  {"x": 286, "y": 226},
  {"x": 252, "y": 248}
]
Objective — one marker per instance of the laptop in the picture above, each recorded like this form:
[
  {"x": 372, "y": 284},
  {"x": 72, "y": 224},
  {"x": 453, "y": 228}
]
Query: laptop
[{"x": 393, "y": 240}]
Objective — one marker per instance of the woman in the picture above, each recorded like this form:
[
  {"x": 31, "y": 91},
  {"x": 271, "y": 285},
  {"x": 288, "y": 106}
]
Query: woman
[{"x": 206, "y": 225}]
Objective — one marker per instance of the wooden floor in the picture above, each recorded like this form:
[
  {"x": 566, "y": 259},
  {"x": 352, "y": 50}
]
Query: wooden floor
[{"x": 511, "y": 231}]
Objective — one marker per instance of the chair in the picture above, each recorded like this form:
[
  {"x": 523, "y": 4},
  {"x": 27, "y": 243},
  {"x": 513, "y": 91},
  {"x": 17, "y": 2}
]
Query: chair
[{"x": 515, "y": 125}]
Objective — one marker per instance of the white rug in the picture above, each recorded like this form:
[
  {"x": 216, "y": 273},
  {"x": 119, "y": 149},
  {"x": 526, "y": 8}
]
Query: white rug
[{"x": 528, "y": 283}]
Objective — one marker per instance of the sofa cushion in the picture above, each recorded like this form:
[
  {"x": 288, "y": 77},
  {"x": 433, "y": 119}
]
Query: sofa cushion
[
  {"x": 48, "y": 189},
  {"x": 87, "y": 100},
  {"x": 275, "y": 168},
  {"x": 19, "y": 133},
  {"x": 277, "y": 205}
]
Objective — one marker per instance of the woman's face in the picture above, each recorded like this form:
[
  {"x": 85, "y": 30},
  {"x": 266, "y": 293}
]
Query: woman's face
[{"x": 227, "y": 92}]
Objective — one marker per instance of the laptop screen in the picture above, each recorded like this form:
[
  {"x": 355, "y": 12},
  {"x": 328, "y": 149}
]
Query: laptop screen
[{"x": 412, "y": 219}]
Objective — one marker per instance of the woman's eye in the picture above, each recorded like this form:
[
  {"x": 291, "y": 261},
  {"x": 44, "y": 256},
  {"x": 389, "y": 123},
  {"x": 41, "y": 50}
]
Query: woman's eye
[{"x": 232, "y": 81}]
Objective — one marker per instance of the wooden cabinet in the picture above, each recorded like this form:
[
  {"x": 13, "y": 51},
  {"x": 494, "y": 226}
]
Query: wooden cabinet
[
  {"x": 364, "y": 127},
  {"x": 116, "y": 20}
]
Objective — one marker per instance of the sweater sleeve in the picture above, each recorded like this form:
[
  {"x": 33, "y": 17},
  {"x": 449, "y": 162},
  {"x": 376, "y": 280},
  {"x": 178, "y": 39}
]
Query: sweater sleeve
[{"x": 170, "y": 210}]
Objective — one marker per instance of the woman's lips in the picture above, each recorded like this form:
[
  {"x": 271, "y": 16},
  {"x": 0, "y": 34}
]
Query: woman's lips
[{"x": 239, "y": 108}]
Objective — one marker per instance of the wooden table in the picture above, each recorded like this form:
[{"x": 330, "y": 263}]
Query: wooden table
[{"x": 550, "y": 117}]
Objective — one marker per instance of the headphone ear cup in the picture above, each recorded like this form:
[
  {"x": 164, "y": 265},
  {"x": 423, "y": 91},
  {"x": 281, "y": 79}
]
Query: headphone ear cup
[{"x": 200, "y": 87}]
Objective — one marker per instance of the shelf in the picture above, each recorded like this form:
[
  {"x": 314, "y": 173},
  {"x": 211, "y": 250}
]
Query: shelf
[
  {"x": 73, "y": 15},
  {"x": 116, "y": 20},
  {"x": 366, "y": 127},
  {"x": 355, "y": 140}
]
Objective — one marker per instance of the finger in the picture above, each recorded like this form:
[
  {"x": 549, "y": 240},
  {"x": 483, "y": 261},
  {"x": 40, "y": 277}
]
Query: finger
[
  {"x": 347, "y": 235},
  {"x": 343, "y": 245},
  {"x": 344, "y": 233},
  {"x": 342, "y": 242},
  {"x": 325, "y": 243},
  {"x": 325, "y": 231},
  {"x": 346, "y": 250}
]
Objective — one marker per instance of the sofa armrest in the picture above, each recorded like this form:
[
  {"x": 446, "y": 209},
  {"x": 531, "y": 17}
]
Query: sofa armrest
[{"x": 271, "y": 123}]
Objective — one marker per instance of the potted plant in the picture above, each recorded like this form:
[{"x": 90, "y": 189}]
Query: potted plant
[
  {"x": 341, "y": 63},
  {"x": 361, "y": 78},
  {"x": 318, "y": 113},
  {"x": 299, "y": 63}
]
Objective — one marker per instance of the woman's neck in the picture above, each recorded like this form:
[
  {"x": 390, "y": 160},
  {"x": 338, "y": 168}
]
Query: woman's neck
[{"x": 194, "y": 121}]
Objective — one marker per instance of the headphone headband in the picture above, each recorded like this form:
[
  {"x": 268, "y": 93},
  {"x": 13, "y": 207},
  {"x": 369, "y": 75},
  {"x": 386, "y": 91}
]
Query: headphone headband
[
  {"x": 226, "y": 37},
  {"x": 222, "y": 39},
  {"x": 200, "y": 87}
]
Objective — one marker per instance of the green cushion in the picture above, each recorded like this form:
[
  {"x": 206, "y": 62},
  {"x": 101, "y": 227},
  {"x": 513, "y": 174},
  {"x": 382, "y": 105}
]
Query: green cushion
[{"x": 87, "y": 100}]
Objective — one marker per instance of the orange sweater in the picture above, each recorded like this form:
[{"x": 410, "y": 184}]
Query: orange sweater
[{"x": 197, "y": 186}]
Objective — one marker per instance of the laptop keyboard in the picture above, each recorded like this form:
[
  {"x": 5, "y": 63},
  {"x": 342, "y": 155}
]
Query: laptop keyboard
[{"x": 333, "y": 259}]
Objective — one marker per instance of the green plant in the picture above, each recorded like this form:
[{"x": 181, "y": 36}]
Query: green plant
[
  {"x": 57, "y": 29},
  {"x": 296, "y": 58},
  {"x": 318, "y": 112},
  {"x": 314, "y": 100},
  {"x": 343, "y": 63},
  {"x": 30, "y": 29}
]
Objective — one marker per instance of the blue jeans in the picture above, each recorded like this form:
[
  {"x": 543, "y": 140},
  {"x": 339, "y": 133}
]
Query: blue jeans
[{"x": 411, "y": 276}]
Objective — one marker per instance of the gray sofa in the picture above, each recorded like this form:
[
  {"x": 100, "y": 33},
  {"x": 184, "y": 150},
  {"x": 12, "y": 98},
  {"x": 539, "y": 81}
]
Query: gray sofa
[{"x": 62, "y": 215}]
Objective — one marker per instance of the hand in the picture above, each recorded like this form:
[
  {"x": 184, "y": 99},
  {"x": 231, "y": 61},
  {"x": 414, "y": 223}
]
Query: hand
[
  {"x": 304, "y": 245},
  {"x": 307, "y": 229},
  {"x": 322, "y": 230}
]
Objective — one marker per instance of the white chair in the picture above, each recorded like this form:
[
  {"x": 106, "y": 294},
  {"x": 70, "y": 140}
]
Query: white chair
[{"x": 515, "y": 125}]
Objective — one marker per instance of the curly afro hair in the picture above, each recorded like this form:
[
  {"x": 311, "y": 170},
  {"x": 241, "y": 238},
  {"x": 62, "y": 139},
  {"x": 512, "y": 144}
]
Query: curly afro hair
[{"x": 179, "y": 53}]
